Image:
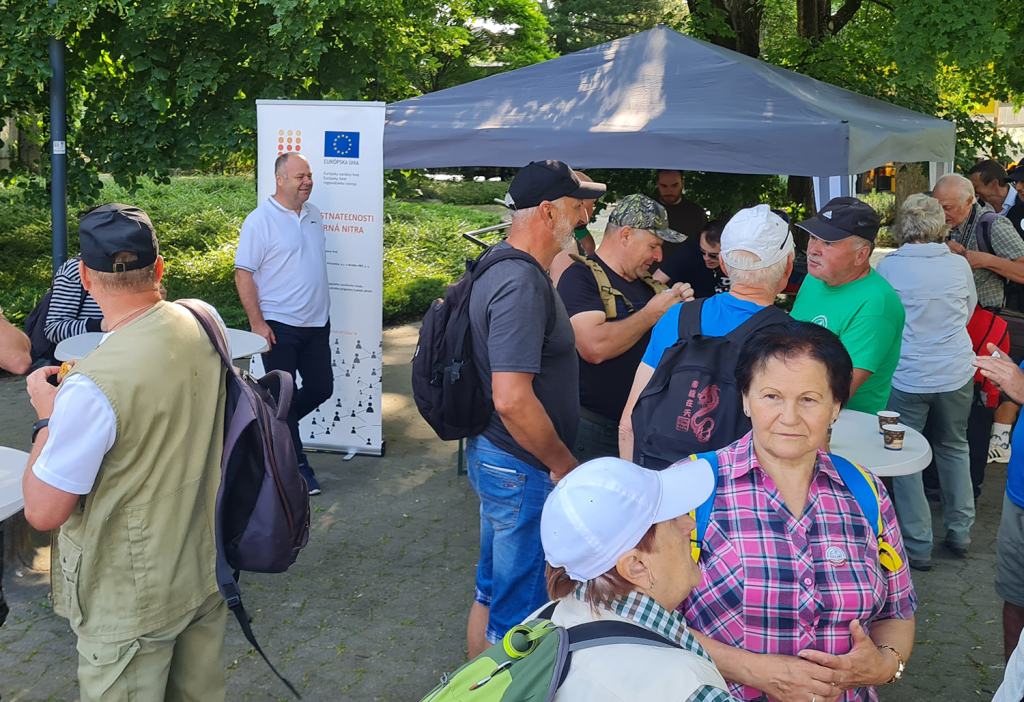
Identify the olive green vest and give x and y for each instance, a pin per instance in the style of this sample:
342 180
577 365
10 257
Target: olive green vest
139 552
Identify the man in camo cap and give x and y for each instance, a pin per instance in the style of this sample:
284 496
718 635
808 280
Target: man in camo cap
612 303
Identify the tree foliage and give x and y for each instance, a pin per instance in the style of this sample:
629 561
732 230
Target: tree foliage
158 85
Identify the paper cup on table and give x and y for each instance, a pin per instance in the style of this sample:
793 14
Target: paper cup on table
893 436
887 417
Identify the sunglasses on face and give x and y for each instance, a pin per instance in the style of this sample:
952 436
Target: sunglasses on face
708 254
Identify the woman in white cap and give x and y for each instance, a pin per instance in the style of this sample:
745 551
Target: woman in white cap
800 600
617 541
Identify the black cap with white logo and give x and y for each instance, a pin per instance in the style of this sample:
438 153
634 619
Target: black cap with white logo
842 218
112 228
548 180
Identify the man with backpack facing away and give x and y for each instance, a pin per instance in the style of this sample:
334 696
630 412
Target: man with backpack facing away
672 421
612 303
1005 262
524 351
126 461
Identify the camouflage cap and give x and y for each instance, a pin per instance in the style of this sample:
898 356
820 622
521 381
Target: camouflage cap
641 212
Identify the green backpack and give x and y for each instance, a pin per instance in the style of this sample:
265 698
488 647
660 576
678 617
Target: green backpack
532 660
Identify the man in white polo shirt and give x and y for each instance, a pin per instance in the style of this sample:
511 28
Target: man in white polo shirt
281 275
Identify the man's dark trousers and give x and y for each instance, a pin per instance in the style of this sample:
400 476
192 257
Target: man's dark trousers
308 351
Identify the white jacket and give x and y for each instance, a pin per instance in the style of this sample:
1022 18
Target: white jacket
628 672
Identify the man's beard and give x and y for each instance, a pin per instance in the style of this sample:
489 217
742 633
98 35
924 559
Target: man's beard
566 240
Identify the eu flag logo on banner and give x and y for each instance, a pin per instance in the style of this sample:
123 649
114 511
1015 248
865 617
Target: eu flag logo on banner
341 144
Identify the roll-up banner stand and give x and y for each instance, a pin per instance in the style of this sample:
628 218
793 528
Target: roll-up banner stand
344 143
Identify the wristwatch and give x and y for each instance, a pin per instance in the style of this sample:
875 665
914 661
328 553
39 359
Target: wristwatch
899 660
38 426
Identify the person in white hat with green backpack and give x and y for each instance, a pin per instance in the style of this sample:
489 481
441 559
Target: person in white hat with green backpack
616 539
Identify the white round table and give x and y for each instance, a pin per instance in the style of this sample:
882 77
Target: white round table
855 437
12 468
243 345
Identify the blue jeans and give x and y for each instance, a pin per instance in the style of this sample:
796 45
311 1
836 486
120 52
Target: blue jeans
510 575
946 413
308 351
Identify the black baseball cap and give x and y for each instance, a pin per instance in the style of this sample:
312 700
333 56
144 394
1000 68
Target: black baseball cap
842 218
548 180
112 228
1016 175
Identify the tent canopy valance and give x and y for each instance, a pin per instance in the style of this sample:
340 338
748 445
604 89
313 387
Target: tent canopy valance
660 99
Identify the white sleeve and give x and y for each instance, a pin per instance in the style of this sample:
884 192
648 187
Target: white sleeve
82 429
249 255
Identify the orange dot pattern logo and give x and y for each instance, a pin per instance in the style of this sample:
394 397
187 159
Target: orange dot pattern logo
289 140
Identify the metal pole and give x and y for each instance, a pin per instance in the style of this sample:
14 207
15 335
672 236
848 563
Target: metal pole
58 155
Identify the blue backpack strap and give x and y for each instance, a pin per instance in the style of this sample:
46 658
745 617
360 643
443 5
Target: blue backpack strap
865 492
702 515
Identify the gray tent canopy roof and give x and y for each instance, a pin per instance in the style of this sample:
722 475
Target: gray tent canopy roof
660 99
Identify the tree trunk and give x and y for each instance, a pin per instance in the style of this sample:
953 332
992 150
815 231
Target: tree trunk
911 178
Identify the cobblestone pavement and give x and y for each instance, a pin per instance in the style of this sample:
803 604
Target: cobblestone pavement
376 606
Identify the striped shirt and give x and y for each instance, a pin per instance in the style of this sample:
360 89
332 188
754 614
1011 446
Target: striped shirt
69 314
775 583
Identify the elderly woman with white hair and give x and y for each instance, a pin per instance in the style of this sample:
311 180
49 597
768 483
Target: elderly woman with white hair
617 541
934 381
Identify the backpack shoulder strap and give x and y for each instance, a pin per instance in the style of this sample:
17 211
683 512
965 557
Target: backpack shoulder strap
689 318
983 231
605 633
702 515
865 492
604 286
487 259
210 326
762 318
656 285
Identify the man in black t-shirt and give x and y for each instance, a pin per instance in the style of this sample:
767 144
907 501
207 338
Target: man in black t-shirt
610 346
698 264
685 217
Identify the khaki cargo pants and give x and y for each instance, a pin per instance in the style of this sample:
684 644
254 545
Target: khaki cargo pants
179 663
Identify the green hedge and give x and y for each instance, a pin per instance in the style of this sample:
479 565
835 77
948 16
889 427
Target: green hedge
197 220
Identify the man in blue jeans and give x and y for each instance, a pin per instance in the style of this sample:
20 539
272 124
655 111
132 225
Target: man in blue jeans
281 275
525 352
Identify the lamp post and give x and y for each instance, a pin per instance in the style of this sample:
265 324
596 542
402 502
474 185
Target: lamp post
58 153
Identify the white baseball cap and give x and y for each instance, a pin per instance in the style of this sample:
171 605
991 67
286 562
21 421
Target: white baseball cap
759 231
604 507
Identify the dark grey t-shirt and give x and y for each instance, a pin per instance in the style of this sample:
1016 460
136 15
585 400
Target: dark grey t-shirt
520 326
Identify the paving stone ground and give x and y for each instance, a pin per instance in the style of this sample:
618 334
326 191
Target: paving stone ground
376 606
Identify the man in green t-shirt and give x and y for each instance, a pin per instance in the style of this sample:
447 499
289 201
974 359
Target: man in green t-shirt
844 294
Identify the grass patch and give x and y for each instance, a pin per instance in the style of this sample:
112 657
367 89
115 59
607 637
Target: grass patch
197 219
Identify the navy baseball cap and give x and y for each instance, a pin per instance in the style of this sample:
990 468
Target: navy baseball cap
112 228
842 218
548 180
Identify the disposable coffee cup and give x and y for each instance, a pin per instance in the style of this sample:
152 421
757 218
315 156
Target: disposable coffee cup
893 436
887 417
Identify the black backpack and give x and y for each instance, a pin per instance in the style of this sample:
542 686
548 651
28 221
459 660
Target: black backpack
691 403
445 383
35 325
262 513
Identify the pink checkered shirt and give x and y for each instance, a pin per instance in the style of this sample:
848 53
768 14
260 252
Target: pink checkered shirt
774 583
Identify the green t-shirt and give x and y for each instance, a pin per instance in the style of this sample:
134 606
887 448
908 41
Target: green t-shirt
868 316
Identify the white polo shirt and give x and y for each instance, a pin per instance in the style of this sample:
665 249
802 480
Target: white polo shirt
285 253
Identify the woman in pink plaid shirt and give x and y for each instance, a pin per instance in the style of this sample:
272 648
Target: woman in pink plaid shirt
795 605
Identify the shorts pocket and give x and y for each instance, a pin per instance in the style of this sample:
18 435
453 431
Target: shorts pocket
501 492
70 566
100 665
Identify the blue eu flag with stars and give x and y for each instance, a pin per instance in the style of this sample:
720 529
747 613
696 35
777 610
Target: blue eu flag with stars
341 144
